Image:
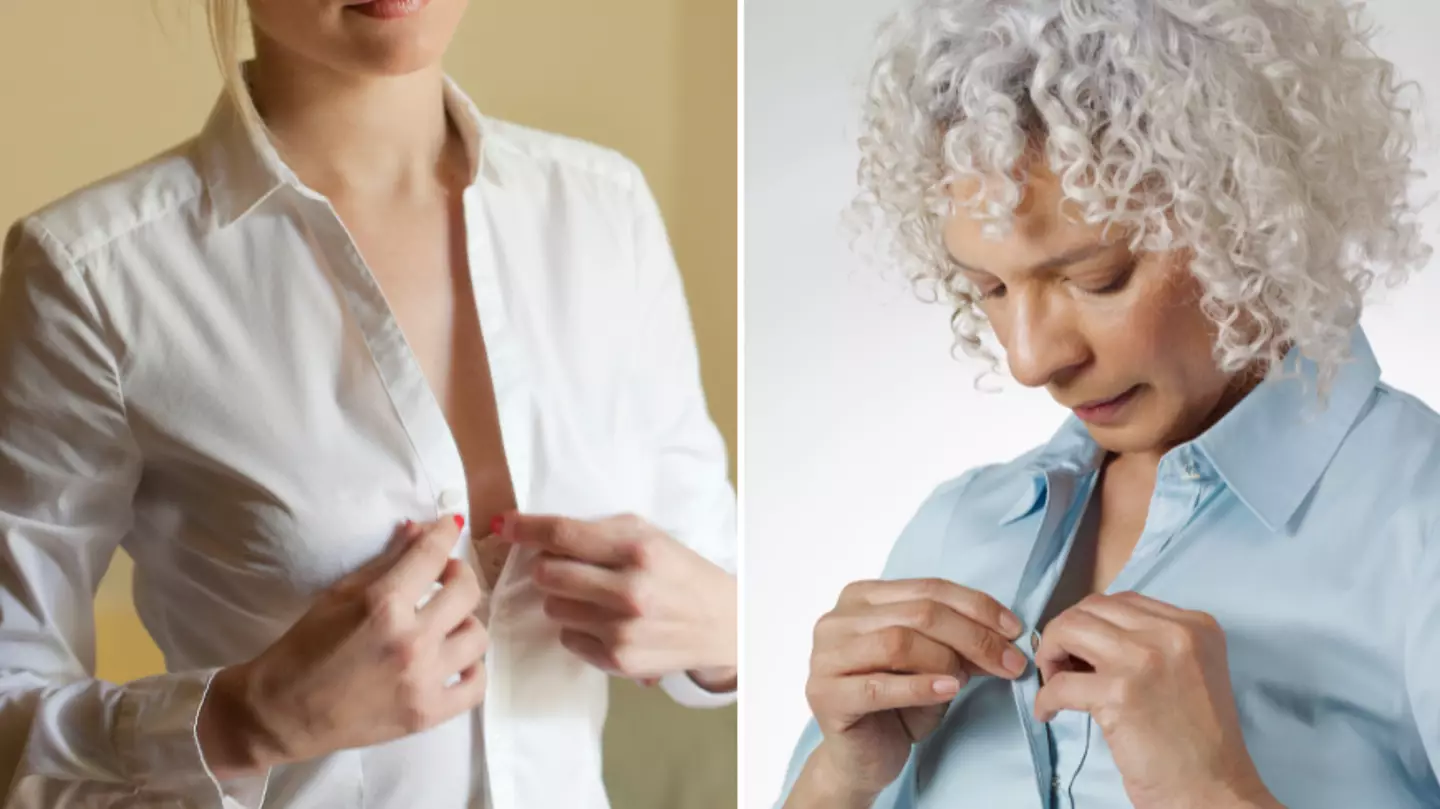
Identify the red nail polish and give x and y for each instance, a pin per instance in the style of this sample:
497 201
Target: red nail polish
459 522
497 524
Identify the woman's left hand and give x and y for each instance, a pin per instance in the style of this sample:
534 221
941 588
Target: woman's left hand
632 600
1155 678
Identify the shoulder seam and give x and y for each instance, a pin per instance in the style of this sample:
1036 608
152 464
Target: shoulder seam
623 177
1410 401
110 239
80 278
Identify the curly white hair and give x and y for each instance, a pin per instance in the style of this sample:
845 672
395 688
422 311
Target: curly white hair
1265 136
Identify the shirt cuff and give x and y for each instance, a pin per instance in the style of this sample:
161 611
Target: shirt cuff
687 692
159 749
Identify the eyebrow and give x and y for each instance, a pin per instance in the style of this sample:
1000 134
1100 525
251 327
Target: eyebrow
1065 259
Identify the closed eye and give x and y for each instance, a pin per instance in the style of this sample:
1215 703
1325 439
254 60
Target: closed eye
1117 284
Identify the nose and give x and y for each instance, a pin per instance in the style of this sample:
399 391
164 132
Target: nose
1042 343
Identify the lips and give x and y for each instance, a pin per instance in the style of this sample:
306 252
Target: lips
1098 403
1101 412
388 9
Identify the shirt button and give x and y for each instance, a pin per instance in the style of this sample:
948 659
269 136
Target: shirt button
1034 641
451 500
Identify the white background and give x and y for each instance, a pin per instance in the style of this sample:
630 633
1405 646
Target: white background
854 407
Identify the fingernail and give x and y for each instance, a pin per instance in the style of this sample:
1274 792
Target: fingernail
1011 624
459 522
946 686
497 524
1013 661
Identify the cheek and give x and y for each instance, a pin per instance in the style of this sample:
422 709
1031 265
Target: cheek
275 17
1131 336
299 26
1157 332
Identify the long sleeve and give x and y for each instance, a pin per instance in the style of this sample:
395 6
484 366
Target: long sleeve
68 473
1422 647
692 498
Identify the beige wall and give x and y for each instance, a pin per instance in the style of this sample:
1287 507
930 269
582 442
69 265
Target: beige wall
89 87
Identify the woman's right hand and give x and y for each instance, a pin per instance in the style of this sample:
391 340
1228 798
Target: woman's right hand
363 666
886 663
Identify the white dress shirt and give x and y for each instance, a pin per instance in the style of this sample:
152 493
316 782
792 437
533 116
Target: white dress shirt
197 366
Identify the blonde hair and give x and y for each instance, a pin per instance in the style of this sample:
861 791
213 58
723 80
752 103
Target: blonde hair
226 29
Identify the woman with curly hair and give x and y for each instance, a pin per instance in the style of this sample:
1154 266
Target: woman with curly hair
1219 584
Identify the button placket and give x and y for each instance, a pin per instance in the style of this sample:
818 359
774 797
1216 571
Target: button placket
1038 580
1177 499
420 414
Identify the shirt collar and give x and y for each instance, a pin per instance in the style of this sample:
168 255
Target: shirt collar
241 167
1270 449
1070 451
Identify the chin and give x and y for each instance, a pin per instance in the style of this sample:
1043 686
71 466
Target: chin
1135 435
396 53
395 48
397 61
1114 439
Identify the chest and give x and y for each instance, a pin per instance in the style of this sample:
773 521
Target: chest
299 386
1103 540
1314 642
418 255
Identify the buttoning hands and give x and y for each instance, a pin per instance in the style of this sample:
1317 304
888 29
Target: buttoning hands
363 666
886 663
1156 680
630 599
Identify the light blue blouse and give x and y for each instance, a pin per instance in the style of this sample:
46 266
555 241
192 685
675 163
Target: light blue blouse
1308 532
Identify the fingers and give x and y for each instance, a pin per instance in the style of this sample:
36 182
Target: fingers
421 562
973 604
1078 634
610 543
598 653
464 647
982 648
1071 691
458 598
850 698
1130 610
466 693
896 649
400 540
581 615
1157 630
895 627
581 581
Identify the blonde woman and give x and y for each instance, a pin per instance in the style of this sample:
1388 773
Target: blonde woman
364 381
1218 585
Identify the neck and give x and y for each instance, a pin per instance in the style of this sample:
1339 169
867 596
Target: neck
352 135
1240 386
